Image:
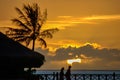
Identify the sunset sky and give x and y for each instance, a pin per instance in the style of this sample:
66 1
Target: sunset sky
88 29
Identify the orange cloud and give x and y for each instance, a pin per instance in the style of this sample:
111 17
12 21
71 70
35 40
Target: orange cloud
70 43
62 22
102 17
91 57
65 43
66 21
95 45
85 59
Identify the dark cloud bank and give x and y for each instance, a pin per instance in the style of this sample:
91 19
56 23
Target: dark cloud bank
92 58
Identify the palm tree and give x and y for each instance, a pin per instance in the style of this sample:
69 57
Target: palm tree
30 23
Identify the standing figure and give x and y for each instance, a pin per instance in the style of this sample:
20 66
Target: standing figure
62 73
68 73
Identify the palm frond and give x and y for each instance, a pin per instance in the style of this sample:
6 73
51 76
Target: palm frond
28 40
32 14
22 39
38 27
43 17
17 37
42 42
48 33
52 30
20 23
13 31
36 11
26 9
23 16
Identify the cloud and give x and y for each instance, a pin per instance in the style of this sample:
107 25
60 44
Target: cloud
62 22
103 17
67 21
66 43
92 58
70 21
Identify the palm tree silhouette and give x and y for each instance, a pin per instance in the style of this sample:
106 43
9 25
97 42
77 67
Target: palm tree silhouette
30 22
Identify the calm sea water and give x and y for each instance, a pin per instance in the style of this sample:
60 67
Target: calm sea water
80 71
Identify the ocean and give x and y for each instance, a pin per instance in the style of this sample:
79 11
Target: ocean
80 71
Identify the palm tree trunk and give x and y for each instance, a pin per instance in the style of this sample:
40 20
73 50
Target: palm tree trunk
30 69
33 45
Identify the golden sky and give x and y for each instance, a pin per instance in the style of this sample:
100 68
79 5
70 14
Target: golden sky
81 22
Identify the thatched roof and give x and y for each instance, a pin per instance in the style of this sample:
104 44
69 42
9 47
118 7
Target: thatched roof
13 53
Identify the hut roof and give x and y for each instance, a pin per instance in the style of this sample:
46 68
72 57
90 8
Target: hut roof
12 53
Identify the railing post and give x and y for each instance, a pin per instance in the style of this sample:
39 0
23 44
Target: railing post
53 75
90 76
83 76
75 76
57 76
114 76
98 76
46 77
106 77
36 77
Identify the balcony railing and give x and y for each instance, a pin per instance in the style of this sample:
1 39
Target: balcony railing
55 76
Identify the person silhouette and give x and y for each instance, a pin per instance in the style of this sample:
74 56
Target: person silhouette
62 73
68 73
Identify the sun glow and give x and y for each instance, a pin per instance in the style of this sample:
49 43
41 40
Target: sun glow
71 61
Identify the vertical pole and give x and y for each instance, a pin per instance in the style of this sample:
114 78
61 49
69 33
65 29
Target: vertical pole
106 77
57 76
114 76
83 76
98 76
75 76
53 75
90 76
46 77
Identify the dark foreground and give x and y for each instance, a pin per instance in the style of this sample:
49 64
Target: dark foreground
55 76
80 76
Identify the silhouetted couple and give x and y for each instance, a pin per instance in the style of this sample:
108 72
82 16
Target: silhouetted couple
67 74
